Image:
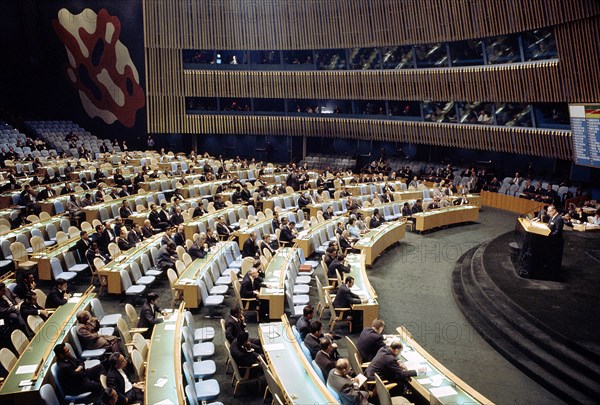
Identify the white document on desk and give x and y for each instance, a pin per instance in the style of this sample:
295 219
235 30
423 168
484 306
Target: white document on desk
160 382
170 326
274 347
73 300
28 369
412 357
443 391
165 402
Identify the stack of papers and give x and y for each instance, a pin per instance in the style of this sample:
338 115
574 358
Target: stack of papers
443 391
274 347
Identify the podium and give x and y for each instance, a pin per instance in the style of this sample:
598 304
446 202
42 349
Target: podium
539 255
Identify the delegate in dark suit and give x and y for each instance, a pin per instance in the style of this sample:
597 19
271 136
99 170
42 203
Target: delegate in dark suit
56 298
115 380
81 247
348 392
369 344
249 249
149 316
344 298
325 361
386 365
286 235
76 381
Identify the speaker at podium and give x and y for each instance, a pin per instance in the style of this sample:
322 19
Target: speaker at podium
539 250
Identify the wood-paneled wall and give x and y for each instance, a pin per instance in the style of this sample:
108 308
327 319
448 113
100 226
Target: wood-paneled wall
527 141
318 24
523 82
173 25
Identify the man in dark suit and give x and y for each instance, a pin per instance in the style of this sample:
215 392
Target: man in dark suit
125 211
179 235
313 339
327 356
346 387
303 323
30 306
385 364
244 355
58 295
73 376
287 234
371 340
151 313
376 219
223 230
199 248
250 249
250 287
556 223
235 324
344 298
116 378
147 229
46 193
102 238
155 219
337 264
83 244
26 285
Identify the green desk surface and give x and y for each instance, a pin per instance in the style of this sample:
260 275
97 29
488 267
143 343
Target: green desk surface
165 344
12 234
199 266
362 286
55 330
373 235
133 254
275 271
438 211
297 378
436 378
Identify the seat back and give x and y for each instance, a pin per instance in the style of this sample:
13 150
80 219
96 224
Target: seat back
7 359
318 370
132 315
75 339
138 364
97 308
305 351
56 267
34 322
19 340
124 331
382 393
334 393
48 395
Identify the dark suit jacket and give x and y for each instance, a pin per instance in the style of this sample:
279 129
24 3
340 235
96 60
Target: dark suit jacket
179 239
386 366
146 232
312 344
197 252
81 247
21 289
154 218
325 362
336 265
286 235
70 379
249 249
303 326
125 212
369 344
556 225
222 230
247 286
375 223
344 298
233 328
55 298
148 317
115 380
349 395
242 357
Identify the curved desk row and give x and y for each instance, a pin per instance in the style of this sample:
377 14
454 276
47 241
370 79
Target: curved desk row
439 385
445 216
298 380
164 380
34 364
377 240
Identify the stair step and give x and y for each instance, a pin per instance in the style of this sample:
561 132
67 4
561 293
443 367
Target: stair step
488 319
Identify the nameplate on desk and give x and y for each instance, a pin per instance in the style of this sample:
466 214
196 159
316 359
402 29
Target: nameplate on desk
160 382
73 300
77 295
186 281
273 290
170 326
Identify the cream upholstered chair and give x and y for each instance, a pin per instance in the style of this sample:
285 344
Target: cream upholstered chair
20 256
